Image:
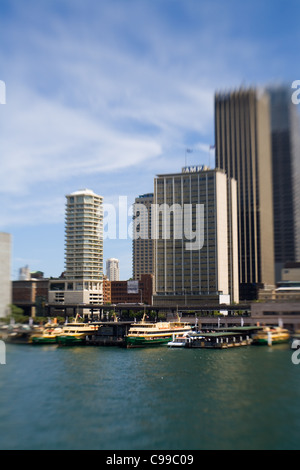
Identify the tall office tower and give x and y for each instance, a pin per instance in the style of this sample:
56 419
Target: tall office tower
83 251
195 233
285 130
243 150
5 274
112 269
142 245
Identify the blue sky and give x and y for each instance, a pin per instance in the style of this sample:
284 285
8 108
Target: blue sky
105 94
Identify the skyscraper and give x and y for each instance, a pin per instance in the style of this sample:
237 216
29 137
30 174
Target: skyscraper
243 151
285 131
142 245
84 236
83 276
195 238
112 269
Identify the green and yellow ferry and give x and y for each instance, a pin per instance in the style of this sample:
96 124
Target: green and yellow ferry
271 335
150 334
48 336
75 333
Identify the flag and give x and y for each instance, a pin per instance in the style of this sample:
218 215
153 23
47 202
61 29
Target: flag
211 147
189 150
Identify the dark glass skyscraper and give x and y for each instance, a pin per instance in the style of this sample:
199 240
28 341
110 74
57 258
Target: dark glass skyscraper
286 176
243 150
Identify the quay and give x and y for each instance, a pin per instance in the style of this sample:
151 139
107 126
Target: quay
252 313
248 314
239 319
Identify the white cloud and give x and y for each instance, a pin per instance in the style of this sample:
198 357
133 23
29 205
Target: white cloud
44 140
109 93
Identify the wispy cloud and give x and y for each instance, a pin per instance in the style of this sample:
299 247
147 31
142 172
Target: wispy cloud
106 94
100 86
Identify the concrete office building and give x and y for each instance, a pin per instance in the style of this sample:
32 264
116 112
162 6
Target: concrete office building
243 151
82 282
112 269
5 274
195 237
142 244
285 130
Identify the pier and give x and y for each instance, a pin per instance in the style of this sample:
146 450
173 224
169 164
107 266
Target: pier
109 334
221 339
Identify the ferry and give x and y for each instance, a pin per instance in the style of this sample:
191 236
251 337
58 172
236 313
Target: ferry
47 336
75 333
149 334
18 333
271 335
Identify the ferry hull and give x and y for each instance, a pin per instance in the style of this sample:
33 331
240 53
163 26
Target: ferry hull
140 341
265 341
68 340
43 340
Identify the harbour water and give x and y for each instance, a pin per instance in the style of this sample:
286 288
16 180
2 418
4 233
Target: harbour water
108 398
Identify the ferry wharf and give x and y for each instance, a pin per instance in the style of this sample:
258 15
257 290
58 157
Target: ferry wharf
109 334
221 339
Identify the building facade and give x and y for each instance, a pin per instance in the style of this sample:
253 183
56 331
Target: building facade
291 272
31 296
112 269
285 129
5 274
82 281
106 291
133 292
195 234
243 151
142 245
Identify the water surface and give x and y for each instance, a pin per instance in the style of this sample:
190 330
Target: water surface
149 399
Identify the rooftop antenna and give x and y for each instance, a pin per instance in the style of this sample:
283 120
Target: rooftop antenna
187 151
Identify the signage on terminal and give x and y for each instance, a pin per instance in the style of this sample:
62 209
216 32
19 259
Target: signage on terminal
194 169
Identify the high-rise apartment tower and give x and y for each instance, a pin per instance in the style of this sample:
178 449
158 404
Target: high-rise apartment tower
83 276
112 269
